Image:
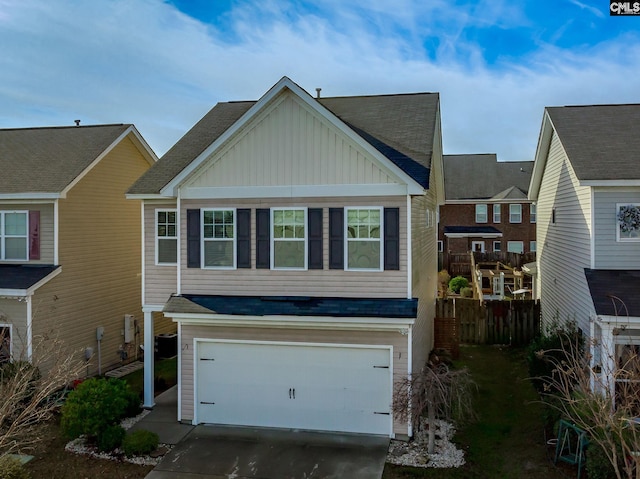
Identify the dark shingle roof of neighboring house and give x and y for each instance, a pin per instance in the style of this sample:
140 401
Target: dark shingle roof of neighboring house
471 230
293 306
601 141
481 176
402 127
47 160
23 276
614 292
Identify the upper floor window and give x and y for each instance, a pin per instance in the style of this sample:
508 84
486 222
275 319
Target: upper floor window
289 238
481 213
218 234
14 235
496 213
532 213
166 237
628 221
515 213
363 248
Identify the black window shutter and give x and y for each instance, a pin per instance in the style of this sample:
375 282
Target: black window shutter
336 238
193 238
243 245
314 220
263 238
392 238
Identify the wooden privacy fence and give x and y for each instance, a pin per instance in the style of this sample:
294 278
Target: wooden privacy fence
461 320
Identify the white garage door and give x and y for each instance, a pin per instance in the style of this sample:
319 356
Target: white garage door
317 387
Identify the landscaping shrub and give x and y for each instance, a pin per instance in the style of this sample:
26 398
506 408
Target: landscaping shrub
457 283
96 404
11 468
466 292
110 438
140 443
598 465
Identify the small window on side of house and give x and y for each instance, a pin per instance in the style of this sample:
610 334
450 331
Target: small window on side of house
166 237
497 246
515 213
440 246
532 246
481 213
628 222
532 213
497 217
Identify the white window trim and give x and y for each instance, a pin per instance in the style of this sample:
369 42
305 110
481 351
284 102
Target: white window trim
272 239
533 213
440 246
497 218
499 243
486 213
203 239
511 242
10 326
617 223
3 249
511 214
346 238
155 221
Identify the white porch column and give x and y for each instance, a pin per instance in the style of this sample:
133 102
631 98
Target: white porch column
608 358
149 357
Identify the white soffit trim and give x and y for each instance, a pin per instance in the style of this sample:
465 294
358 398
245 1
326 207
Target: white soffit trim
304 322
283 84
300 191
622 183
473 235
28 197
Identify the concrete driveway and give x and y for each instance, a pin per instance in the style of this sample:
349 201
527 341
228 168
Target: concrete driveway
216 452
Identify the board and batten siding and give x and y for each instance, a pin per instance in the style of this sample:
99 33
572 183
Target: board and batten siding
160 281
313 282
189 332
289 144
47 254
14 312
608 252
564 248
100 236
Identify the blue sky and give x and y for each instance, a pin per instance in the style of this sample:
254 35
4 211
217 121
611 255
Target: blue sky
163 64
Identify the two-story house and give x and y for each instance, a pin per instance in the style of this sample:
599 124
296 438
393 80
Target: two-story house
486 206
293 240
586 183
70 242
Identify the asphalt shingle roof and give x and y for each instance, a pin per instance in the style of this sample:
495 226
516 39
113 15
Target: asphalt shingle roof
614 292
601 141
472 230
47 160
294 306
482 176
402 127
23 276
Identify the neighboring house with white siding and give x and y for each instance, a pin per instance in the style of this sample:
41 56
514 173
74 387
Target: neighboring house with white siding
293 240
586 183
70 241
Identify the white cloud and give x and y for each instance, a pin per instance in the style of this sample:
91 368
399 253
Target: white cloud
144 62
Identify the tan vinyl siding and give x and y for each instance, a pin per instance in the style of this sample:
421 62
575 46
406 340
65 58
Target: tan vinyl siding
47 255
189 332
14 313
325 282
159 281
563 248
289 144
100 282
608 252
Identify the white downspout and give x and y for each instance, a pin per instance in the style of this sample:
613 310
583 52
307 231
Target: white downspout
29 329
56 229
148 401
410 372
409 251
179 234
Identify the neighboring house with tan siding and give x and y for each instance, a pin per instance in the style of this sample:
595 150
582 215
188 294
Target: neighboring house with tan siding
586 183
70 241
293 240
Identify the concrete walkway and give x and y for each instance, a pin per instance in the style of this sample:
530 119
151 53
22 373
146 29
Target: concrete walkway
222 452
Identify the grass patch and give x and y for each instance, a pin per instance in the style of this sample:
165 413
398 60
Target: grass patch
165 376
507 441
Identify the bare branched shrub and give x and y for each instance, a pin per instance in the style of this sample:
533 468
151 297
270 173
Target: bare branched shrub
436 392
30 391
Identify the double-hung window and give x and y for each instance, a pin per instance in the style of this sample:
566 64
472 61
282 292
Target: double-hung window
289 238
166 237
532 213
481 213
496 213
515 247
364 244
218 238
515 213
14 235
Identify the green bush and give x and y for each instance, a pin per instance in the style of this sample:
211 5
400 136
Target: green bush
598 465
95 405
466 292
457 283
140 442
110 438
11 468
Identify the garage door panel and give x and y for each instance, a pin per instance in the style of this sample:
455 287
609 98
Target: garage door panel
294 386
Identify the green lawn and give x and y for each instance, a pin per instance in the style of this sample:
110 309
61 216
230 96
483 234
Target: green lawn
165 373
507 441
